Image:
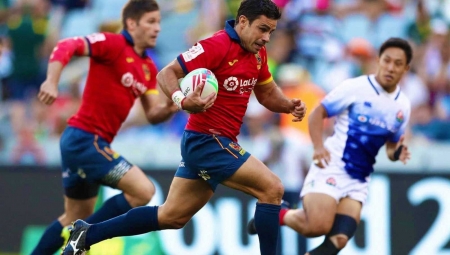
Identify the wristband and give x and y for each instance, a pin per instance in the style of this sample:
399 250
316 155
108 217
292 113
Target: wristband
178 98
397 152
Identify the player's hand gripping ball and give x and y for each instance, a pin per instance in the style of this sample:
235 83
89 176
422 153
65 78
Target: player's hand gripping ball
197 77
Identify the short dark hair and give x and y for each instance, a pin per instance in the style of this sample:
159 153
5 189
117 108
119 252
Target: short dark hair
395 42
135 9
252 9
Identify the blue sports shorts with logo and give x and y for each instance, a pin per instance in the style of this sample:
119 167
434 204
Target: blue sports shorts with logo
210 157
88 162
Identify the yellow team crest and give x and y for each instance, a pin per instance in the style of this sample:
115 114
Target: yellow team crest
237 148
146 72
258 61
114 154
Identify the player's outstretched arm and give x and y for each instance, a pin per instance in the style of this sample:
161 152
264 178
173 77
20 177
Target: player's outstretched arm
271 97
398 151
61 55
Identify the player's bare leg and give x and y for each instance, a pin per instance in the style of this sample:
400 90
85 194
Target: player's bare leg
137 191
344 227
186 197
316 218
254 178
76 209
53 239
348 207
136 186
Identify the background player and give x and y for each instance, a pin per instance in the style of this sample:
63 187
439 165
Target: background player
370 111
120 71
210 152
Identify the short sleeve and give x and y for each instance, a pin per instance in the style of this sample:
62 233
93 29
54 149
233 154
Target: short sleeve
264 74
104 46
207 53
339 99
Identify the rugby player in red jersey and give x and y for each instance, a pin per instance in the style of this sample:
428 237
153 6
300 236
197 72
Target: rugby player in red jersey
119 72
210 152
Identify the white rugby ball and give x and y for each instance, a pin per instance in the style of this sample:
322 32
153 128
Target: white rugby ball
197 77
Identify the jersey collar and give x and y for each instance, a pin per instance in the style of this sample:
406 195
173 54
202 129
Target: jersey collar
229 28
130 41
378 89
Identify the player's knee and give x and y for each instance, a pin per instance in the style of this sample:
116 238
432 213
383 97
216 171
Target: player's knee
340 241
273 192
177 223
344 227
143 196
147 194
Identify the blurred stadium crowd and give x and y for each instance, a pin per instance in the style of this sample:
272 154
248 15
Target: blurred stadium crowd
318 44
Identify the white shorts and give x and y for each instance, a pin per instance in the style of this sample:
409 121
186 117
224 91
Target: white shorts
335 182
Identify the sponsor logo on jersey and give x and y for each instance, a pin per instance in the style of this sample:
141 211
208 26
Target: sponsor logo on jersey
96 37
181 164
128 81
382 124
130 60
245 86
368 104
231 63
231 83
331 181
193 52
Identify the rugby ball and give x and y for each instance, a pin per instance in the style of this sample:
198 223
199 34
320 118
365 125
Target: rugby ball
197 77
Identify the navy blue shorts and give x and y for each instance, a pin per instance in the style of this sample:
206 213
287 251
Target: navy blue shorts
211 157
88 162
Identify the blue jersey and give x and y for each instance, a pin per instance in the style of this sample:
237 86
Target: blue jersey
366 118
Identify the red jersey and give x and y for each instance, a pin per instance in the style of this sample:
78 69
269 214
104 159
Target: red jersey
117 76
237 72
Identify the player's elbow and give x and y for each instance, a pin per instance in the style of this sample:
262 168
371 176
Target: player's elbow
160 113
153 119
390 150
